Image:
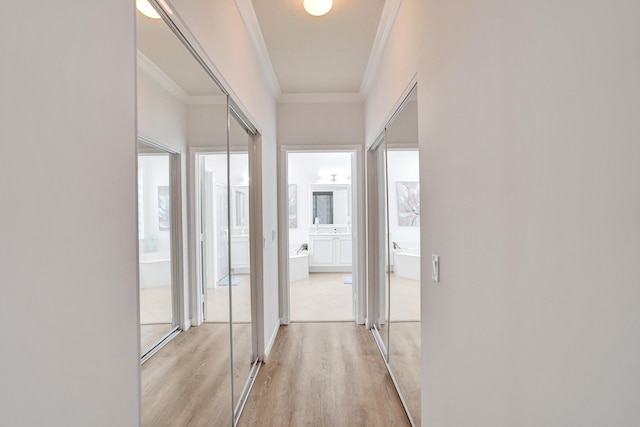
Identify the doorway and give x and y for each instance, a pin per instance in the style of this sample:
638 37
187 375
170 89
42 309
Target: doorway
321 235
158 193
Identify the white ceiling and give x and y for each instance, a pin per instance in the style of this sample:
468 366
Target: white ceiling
327 54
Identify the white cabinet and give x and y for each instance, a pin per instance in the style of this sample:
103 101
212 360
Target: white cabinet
330 253
240 254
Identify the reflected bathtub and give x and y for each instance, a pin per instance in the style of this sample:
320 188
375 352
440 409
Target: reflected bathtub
298 266
155 269
406 263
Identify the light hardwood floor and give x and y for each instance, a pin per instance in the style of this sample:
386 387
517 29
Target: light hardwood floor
404 359
319 374
324 374
188 382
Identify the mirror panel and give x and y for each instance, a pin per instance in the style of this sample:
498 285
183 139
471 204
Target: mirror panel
241 274
403 186
330 204
181 106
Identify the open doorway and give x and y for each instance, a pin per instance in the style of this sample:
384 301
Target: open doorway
321 199
157 231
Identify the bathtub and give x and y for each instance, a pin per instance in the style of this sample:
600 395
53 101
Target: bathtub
406 263
155 269
298 266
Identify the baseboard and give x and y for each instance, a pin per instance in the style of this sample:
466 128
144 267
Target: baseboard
333 269
186 325
269 346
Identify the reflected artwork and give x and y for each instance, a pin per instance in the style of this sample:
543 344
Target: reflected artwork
163 208
293 206
408 194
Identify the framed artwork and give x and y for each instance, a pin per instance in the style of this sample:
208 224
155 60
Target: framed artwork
293 206
408 195
164 208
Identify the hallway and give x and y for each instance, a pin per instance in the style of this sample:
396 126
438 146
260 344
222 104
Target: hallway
318 374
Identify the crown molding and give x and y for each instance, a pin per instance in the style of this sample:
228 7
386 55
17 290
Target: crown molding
161 77
302 98
248 15
389 14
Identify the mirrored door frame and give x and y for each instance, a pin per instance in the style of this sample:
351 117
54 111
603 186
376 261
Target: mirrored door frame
176 248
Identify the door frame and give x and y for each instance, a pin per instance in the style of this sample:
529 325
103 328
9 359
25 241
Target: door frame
180 322
358 226
256 248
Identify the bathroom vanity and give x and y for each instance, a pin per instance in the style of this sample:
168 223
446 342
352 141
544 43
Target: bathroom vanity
330 252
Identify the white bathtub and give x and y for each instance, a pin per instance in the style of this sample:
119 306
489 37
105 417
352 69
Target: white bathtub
155 269
406 263
298 266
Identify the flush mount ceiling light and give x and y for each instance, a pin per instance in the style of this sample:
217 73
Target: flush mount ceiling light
318 7
146 9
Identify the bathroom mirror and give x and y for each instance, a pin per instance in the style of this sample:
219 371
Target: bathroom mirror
330 204
240 207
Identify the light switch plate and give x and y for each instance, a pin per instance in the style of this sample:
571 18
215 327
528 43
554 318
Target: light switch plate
435 268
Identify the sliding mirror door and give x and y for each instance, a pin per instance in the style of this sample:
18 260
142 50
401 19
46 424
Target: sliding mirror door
240 266
180 106
403 189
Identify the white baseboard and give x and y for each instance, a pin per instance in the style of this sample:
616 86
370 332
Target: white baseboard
186 325
269 346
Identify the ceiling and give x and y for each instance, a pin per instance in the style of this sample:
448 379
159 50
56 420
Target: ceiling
169 61
327 54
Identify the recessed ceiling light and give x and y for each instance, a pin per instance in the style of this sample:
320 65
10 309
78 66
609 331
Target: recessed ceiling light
318 7
146 9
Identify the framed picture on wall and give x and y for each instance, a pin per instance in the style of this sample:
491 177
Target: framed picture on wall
293 206
164 208
408 195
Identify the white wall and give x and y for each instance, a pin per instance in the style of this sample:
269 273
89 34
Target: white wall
397 69
321 123
531 196
162 117
220 31
70 345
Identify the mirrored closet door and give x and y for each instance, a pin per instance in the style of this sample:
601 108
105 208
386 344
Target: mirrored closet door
396 184
183 109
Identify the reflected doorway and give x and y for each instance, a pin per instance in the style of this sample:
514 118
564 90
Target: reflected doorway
156 234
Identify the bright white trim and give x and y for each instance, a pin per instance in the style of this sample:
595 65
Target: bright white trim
161 77
290 98
269 346
248 14
389 14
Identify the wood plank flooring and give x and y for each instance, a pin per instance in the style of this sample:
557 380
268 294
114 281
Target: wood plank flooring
324 374
188 382
404 359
